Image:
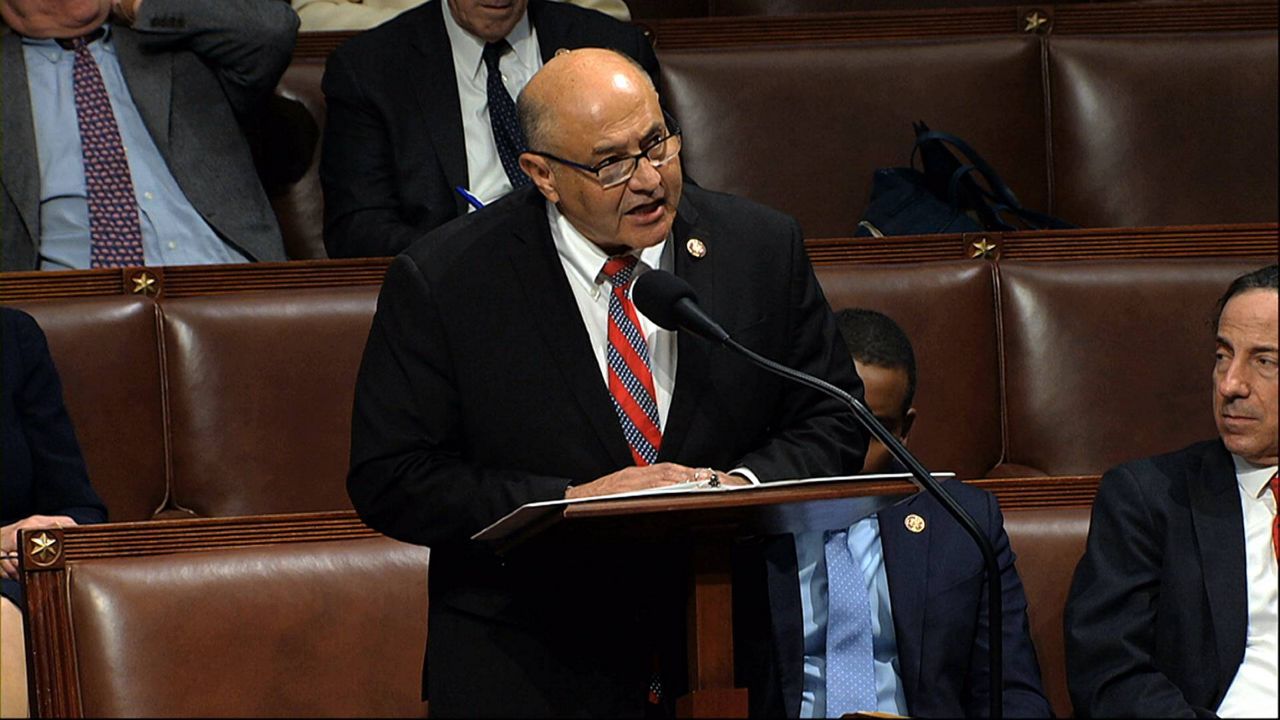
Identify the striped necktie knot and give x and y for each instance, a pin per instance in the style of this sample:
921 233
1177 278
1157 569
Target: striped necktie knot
619 271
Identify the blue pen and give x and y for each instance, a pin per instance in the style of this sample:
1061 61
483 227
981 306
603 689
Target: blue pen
472 200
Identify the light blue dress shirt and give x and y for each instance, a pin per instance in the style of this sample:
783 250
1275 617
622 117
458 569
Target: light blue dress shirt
173 233
864 544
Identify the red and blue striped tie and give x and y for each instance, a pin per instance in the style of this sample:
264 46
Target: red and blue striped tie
630 378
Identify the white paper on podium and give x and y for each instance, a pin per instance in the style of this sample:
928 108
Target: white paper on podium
534 513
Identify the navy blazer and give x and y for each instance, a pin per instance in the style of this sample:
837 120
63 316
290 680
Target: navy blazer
937 589
393 148
1158 611
43 472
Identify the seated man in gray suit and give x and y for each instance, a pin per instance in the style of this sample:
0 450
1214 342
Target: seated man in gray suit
122 131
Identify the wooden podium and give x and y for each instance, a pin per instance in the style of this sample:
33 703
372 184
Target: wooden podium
709 520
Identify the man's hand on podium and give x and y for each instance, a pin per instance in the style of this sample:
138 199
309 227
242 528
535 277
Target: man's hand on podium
650 477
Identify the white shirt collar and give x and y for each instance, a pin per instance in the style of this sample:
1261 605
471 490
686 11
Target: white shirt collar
469 49
584 259
1253 479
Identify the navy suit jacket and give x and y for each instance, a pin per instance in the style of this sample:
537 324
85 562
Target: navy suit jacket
937 589
393 147
43 472
1158 611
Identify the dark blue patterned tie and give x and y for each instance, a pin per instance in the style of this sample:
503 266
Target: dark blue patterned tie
502 116
114 233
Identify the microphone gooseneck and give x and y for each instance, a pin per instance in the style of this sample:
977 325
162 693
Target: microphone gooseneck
672 304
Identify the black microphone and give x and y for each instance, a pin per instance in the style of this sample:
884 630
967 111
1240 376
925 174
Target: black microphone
672 304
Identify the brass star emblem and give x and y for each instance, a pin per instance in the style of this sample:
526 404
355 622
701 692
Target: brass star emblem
43 547
1035 22
144 283
984 249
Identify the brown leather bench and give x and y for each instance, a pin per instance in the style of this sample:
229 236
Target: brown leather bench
1106 114
235 402
310 615
1050 368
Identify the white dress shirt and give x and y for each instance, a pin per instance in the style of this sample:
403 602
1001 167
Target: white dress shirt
487 180
583 263
1255 690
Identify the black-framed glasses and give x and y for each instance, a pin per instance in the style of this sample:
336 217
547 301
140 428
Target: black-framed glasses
618 170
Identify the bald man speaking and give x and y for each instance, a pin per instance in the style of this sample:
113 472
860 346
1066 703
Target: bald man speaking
507 365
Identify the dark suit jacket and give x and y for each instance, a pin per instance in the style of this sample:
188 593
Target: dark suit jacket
479 392
937 589
393 142
196 71
1158 611
43 472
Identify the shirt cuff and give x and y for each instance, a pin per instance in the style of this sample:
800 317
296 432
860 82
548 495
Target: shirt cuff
746 473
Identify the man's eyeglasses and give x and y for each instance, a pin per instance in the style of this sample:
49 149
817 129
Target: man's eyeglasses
618 170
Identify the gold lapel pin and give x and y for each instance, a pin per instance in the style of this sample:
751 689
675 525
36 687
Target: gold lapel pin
914 523
696 247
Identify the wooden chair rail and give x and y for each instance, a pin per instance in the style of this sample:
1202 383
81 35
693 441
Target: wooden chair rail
1247 240
1035 493
1204 241
1067 18
158 537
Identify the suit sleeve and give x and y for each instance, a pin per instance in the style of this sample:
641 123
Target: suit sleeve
248 43
60 481
1110 616
813 435
408 478
1023 689
363 215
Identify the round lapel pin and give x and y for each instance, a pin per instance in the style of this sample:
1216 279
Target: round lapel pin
914 523
696 247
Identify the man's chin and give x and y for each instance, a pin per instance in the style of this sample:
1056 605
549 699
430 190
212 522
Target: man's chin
1259 451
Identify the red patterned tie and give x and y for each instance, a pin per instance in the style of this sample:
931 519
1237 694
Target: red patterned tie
1275 519
114 234
630 379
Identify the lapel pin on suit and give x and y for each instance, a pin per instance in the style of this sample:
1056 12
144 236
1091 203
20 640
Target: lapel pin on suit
914 523
696 247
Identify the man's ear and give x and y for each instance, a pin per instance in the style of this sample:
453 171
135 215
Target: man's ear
539 171
908 419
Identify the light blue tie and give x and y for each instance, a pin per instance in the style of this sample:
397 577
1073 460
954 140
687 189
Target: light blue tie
851 675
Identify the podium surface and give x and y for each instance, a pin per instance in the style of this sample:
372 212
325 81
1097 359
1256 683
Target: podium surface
710 518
